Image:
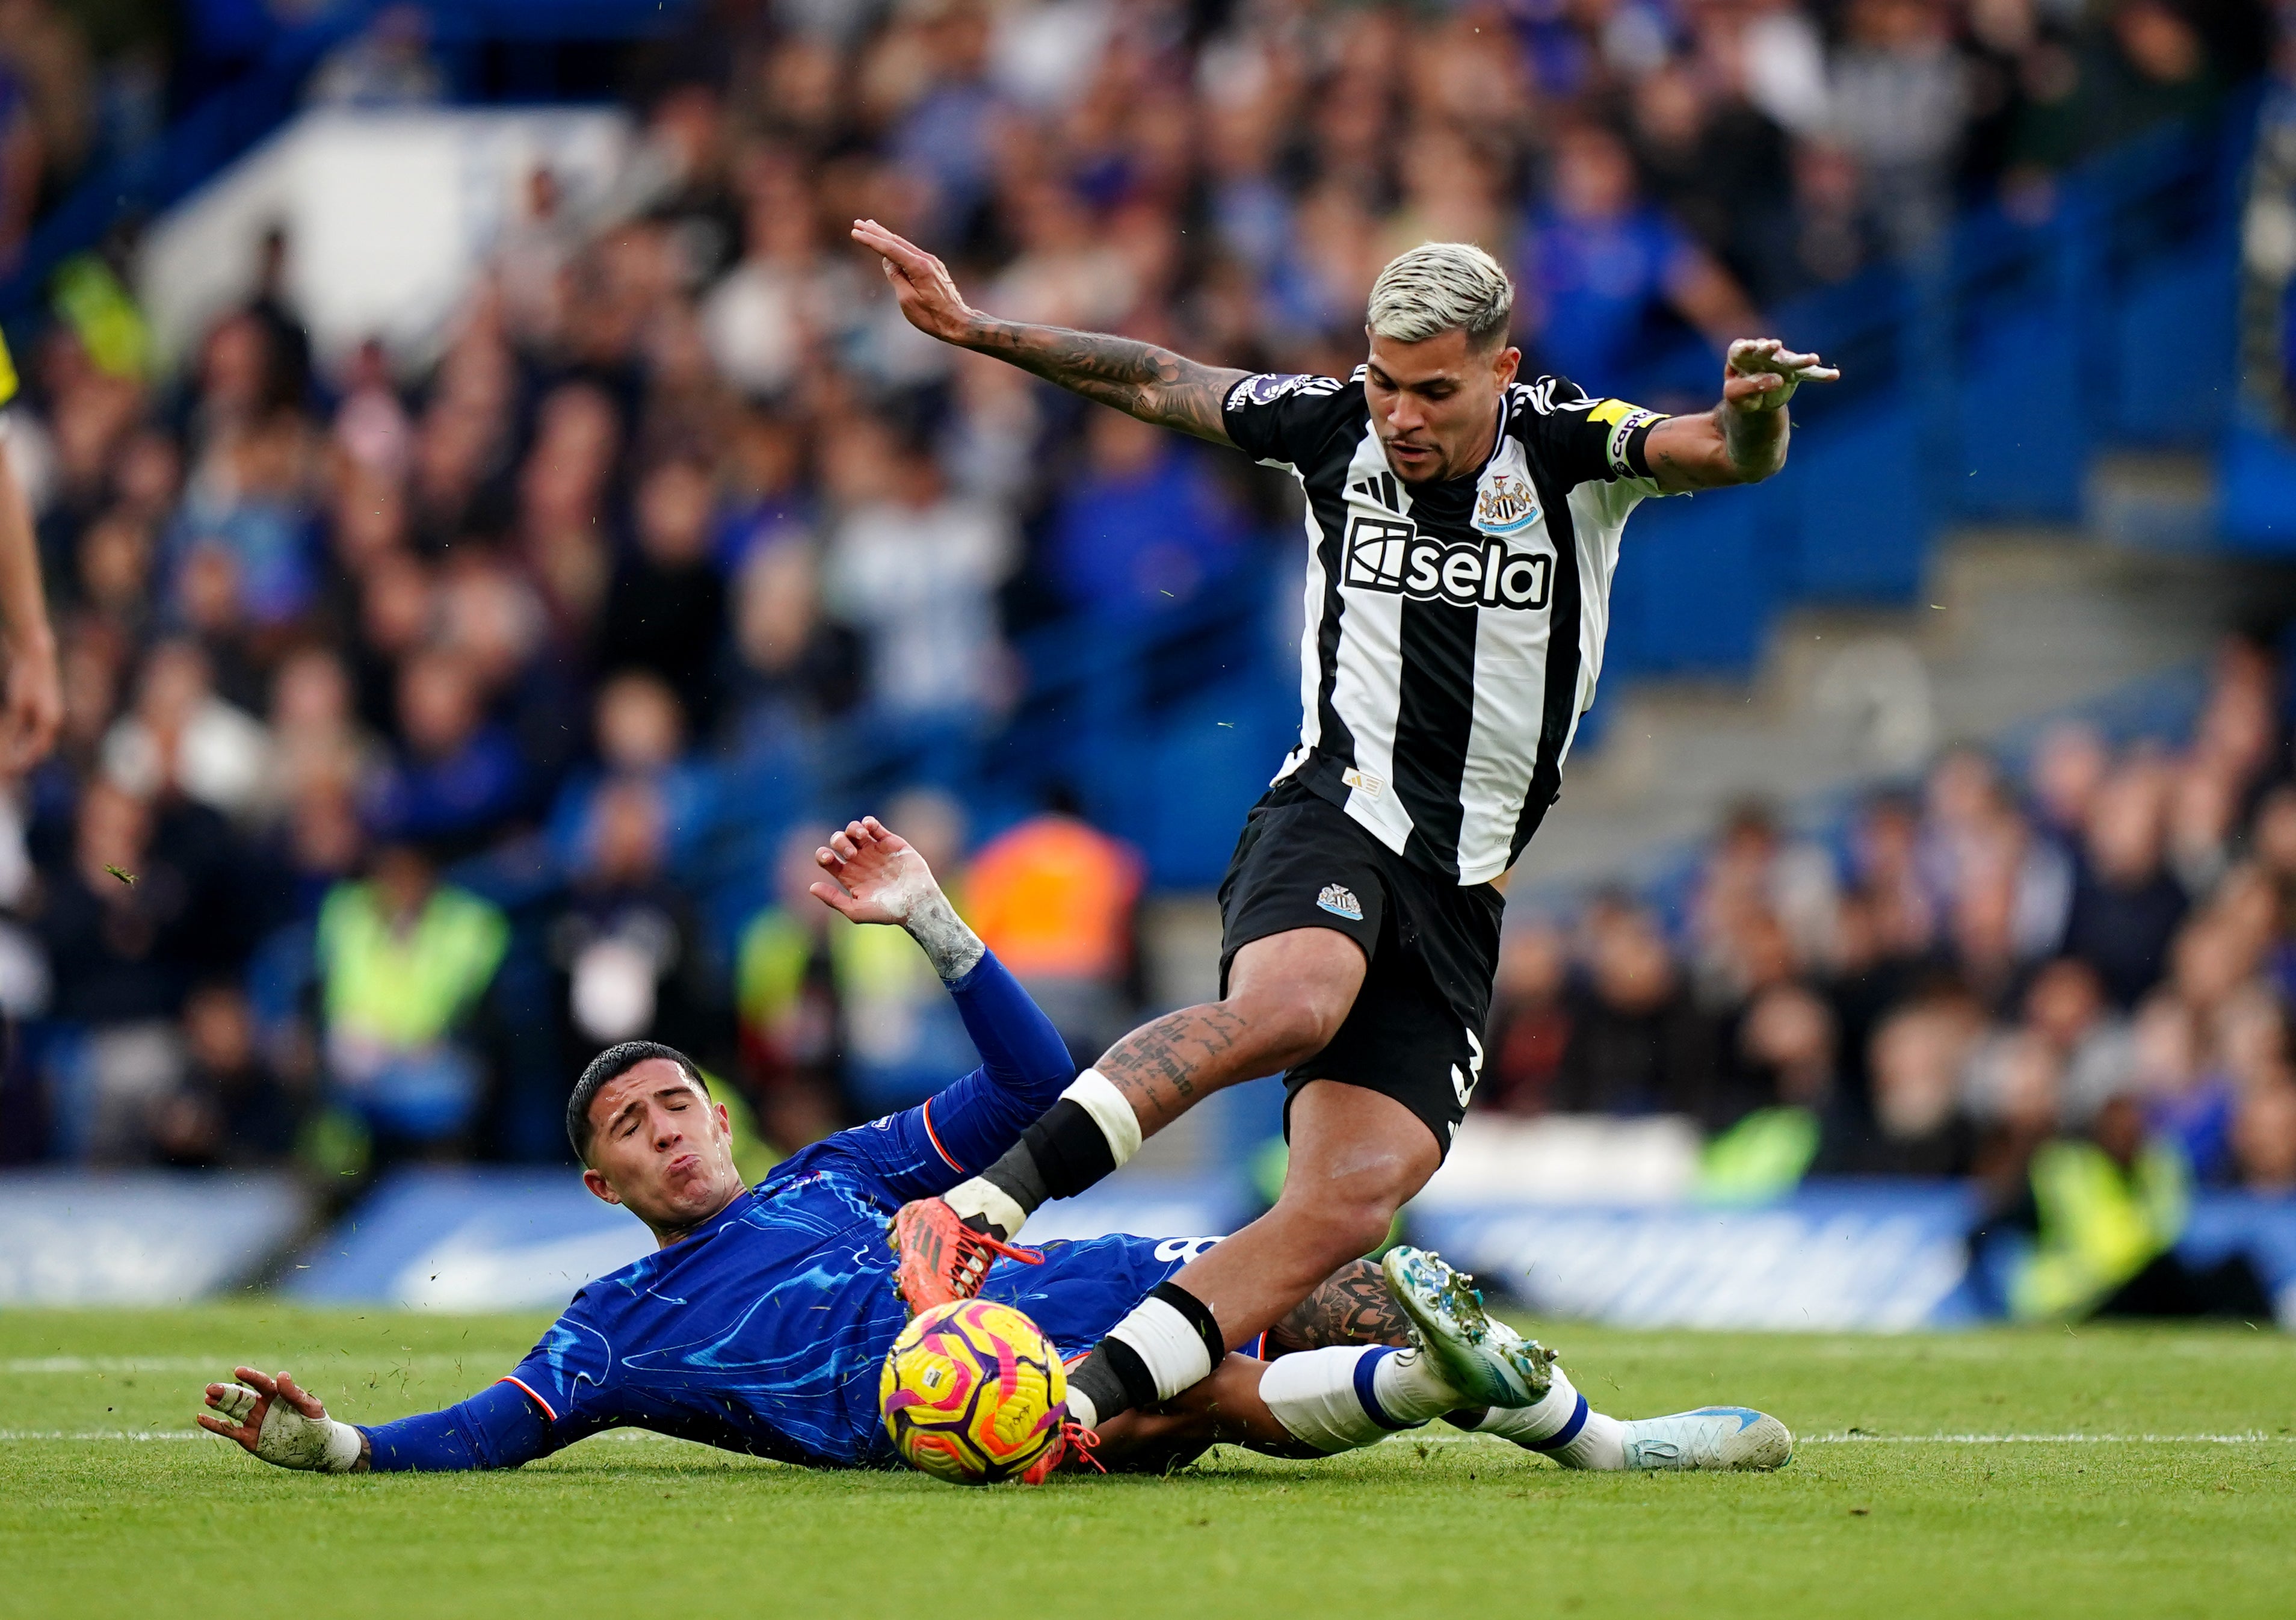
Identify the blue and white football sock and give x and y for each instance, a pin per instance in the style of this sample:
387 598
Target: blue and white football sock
1564 1426
1346 1395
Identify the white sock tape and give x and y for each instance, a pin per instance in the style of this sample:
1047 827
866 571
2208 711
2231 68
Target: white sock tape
1111 1110
982 1196
1168 1341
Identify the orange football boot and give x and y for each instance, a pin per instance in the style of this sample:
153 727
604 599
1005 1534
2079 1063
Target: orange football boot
1074 1444
942 1259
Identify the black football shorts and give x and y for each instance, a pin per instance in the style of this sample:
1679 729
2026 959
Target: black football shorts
1415 1032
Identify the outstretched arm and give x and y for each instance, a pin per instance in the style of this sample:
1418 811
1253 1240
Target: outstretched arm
1138 379
874 877
283 1424
1743 440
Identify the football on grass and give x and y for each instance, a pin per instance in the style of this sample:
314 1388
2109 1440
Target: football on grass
973 1392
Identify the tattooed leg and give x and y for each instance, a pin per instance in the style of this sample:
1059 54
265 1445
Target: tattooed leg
1352 1306
1288 994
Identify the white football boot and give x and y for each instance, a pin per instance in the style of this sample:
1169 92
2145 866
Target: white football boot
1711 1437
1487 1362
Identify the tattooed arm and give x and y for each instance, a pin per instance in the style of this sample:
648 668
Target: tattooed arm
1139 378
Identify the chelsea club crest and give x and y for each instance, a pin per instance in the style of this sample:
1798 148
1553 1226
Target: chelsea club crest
1506 505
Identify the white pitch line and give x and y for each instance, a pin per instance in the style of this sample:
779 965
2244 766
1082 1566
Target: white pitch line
25 1365
11 1435
2253 1437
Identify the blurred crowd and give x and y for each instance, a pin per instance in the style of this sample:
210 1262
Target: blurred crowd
420 706
2102 947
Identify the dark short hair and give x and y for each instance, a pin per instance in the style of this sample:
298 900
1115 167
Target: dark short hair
610 1065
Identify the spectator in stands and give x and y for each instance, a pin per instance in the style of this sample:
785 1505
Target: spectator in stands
667 612
2126 905
1638 1042
1055 898
229 1109
182 738
794 668
1599 266
628 946
403 964
457 775
1531 1025
117 919
1756 882
914 570
1920 1051
1900 99
1147 529
638 730
2264 1141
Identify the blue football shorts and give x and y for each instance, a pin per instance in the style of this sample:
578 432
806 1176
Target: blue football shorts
1085 1288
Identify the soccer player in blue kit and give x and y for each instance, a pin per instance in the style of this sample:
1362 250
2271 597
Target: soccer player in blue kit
762 1322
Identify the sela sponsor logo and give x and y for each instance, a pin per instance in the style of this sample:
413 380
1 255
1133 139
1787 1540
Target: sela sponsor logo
1506 505
1390 554
1340 903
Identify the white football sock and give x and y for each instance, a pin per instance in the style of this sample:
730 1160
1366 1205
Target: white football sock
1564 1426
1350 1395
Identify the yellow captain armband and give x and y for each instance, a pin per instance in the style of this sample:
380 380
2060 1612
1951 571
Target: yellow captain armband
1627 423
7 372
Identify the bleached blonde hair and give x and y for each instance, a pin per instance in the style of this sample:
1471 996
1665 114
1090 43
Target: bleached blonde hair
1439 287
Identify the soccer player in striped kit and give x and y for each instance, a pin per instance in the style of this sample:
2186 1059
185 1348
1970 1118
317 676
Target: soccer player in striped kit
1463 529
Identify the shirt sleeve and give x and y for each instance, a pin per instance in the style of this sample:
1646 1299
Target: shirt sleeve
499 1428
1277 419
962 1129
1584 441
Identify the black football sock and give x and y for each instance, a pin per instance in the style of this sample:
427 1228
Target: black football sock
1089 1133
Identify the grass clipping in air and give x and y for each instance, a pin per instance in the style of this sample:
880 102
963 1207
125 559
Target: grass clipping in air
1875 1517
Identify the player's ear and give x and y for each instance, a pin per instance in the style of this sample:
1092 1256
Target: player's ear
1506 364
600 1188
724 1121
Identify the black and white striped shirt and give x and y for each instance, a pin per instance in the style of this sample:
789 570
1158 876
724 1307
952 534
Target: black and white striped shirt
1453 630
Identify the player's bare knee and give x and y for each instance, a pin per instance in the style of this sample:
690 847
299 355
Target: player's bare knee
1290 1028
1328 1232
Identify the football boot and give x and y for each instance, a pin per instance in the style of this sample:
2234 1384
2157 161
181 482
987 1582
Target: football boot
942 1259
1487 1362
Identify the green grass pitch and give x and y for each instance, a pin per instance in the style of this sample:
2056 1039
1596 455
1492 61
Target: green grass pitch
107 1509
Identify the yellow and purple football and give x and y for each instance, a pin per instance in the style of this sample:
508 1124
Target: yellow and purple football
973 1392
